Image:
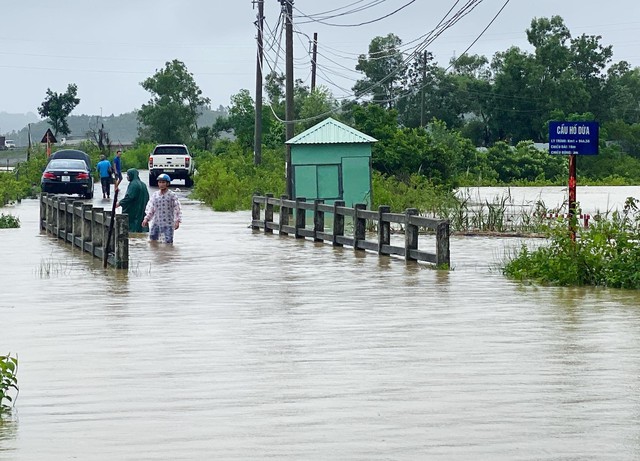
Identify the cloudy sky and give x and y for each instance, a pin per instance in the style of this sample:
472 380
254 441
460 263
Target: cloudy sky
108 48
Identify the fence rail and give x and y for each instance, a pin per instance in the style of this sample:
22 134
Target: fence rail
262 217
86 227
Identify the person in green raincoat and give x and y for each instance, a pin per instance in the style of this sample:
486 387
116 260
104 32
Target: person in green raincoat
135 201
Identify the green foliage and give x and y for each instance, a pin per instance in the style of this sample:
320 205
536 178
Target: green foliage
228 180
8 221
24 181
171 114
605 254
415 192
435 152
8 382
137 157
610 162
242 117
11 189
524 163
57 108
315 107
625 135
384 68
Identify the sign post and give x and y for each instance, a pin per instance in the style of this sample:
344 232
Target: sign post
573 139
48 139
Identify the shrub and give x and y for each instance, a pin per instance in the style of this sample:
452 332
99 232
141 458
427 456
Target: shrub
8 381
605 254
227 181
8 221
415 192
137 157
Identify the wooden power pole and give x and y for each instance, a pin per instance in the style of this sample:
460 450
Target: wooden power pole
289 115
314 56
424 78
257 149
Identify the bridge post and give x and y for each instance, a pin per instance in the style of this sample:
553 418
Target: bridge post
384 229
359 225
86 225
338 222
52 215
96 230
77 222
301 217
442 244
68 218
60 221
318 220
121 249
410 234
268 214
255 212
284 215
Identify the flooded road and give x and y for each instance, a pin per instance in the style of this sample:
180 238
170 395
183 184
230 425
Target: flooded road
234 345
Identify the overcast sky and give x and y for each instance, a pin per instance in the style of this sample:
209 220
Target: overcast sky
108 48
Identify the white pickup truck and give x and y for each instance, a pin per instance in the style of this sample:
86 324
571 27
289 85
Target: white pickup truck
172 159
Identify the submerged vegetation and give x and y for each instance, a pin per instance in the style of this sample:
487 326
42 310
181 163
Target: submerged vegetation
8 221
607 253
8 382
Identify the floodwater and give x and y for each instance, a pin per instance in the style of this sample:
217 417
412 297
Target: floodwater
591 199
236 345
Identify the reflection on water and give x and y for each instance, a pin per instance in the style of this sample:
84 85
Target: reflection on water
232 344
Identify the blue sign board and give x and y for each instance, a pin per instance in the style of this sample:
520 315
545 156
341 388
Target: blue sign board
573 138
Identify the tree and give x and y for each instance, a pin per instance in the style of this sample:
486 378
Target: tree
561 74
437 90
318 104
242 118
101 137
57 108
204 137
384 69
171 114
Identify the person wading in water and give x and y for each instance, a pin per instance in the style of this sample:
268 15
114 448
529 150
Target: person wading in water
135 201
164 211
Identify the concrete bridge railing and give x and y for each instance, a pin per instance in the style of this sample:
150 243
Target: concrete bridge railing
262 217
86 227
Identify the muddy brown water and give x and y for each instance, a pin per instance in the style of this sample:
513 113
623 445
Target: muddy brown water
236 345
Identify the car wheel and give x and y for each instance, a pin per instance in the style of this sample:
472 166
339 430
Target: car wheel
89 195
188 181
153 181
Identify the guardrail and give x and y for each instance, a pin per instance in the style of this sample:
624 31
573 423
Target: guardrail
85 227
383 219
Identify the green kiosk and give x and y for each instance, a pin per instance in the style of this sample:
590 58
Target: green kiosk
332 161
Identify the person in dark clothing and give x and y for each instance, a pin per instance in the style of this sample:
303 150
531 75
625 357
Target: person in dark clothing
135 201
117 168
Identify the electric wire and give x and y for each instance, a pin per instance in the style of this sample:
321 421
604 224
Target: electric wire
360 23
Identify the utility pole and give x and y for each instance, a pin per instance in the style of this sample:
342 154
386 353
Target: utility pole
424 78
257 149
29 145
289 115
314 56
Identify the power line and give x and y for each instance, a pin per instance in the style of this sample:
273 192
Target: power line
364 22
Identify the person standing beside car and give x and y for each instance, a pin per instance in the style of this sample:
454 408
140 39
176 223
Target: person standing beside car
117 168
104 170
164 211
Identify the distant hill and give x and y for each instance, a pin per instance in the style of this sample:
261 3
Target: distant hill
122 129
13 122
